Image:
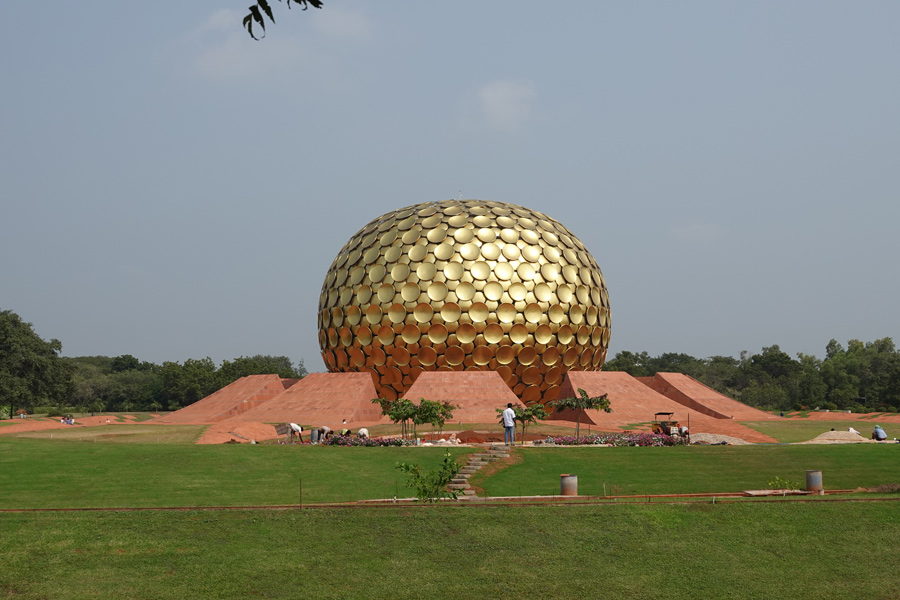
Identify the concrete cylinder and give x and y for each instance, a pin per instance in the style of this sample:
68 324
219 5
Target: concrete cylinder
814 482
568 485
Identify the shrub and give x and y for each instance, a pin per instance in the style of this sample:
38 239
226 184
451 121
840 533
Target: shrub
379 442
619 440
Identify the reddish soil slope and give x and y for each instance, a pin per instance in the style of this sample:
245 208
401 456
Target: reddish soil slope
689 392
476 394
234 399
321 399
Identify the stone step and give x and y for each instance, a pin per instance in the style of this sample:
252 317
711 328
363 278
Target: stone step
469 492
458 486
460 480
499 455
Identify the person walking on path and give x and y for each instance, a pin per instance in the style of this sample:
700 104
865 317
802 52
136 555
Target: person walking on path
509 425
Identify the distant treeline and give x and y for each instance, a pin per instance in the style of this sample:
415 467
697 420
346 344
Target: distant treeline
34 376
864 377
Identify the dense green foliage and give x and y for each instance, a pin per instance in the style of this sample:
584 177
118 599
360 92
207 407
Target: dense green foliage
31 370
864 377
581 403
33 375
796 551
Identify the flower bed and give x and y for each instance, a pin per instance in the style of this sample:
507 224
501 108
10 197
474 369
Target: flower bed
618 439
352 440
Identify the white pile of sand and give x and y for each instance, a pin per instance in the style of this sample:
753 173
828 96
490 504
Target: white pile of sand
715 438
838 437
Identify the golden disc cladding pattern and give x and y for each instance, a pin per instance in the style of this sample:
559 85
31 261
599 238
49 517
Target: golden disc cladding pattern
464 285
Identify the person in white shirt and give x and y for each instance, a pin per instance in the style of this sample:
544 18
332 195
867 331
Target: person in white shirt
296 430
363 433
509 425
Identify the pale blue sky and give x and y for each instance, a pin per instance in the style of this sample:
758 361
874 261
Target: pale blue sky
172 189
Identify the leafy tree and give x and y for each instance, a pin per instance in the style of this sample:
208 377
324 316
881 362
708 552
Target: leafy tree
262 9
31 370
581 403
184 384
432 486
260 365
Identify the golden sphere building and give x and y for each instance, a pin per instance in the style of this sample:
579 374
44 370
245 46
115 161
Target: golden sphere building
463 285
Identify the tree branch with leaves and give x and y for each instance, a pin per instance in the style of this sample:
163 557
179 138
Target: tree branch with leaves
581 403
262 10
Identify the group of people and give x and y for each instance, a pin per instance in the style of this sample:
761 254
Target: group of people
67 420
325 432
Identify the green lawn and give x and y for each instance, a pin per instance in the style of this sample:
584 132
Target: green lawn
795 551
692 469
41 473
800 430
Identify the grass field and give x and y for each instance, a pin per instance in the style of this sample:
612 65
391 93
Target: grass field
791 550
692 469
54 473
797 430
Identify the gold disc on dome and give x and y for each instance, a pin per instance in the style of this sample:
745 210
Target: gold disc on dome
592 315
506 313
542 292
564 293
364 336
533 313
531 253
576 315
417 253
531 376
543 334
396 313
548 235
373 314
530 236
346 336
453 271
411 236
506 221
583 294
463 236
490 251
353 315
570 357
423 313
437 290
400 356
511 252
549 272
385 293
482 221
427 356
410 292
437 333
393 253
583 335
525 271
357 358
556 314
457 220
480 270
410 334
478 312
465 291
486 235
482 355
337 317
596 298
493 291
407 223
450 312
518 333
436 236
553 376
346 295
506 354
469 251
493 333
454 355
444 251
518 291
425 271
550 356
431 221
376 273
399 272
503 271
466 333
596 336
332 337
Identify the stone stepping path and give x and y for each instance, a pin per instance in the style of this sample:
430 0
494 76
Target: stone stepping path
461 482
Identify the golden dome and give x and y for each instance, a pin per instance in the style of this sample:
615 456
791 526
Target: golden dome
461 285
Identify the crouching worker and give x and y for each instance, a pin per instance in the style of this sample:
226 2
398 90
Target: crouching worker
296 430
879 434
363 433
